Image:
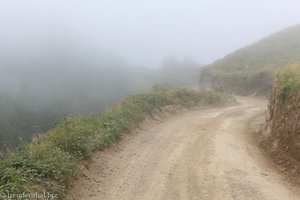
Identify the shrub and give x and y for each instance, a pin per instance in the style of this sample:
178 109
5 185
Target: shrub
288 79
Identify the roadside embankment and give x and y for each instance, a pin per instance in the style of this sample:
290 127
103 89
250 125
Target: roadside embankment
281 134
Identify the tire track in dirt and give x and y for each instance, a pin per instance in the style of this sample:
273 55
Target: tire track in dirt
204 154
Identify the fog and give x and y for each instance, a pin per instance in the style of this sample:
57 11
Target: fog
144 32
75 57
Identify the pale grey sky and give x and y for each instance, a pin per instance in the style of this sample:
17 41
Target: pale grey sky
144 32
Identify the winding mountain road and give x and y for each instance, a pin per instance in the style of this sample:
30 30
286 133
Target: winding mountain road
206 154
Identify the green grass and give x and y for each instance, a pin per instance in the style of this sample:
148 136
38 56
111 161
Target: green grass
49 163
288 79
251 69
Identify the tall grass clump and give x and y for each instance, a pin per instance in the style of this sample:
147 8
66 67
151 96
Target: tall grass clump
288 79
49 163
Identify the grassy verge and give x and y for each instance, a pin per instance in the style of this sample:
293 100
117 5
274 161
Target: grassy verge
50 163
288 79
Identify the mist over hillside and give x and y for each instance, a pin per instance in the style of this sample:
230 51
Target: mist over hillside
61 58
183 72
40 87
250 69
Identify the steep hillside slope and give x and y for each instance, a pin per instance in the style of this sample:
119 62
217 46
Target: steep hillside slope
250 69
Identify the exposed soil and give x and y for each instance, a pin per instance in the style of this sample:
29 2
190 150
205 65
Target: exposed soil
206 154
279 134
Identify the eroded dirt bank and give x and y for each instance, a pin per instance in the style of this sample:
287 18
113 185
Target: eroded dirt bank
281 135
206 154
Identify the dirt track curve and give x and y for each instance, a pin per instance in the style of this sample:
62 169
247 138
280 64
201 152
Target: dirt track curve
200 155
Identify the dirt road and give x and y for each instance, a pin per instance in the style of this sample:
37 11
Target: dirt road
203 155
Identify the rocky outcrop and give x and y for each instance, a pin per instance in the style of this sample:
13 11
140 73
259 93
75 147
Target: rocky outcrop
240 83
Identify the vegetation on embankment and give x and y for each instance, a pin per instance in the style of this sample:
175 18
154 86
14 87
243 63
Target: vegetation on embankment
288 80
49 163
251 69
282 135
